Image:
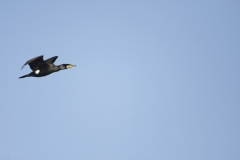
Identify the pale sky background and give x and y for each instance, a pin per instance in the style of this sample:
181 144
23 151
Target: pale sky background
155 80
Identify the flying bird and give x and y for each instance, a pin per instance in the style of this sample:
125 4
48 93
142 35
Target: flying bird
42 67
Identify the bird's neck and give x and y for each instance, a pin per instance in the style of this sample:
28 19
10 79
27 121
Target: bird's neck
61 67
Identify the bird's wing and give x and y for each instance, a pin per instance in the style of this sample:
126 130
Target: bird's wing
36 63
51 60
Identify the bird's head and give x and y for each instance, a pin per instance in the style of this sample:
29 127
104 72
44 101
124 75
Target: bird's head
67 66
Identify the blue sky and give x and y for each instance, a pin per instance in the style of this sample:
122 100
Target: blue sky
154 80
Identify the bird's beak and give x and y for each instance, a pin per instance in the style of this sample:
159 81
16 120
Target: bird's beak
70 66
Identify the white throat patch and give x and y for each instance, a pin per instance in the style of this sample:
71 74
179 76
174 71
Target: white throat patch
37 71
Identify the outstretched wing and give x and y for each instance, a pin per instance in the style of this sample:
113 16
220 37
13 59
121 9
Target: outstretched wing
36 63
51 60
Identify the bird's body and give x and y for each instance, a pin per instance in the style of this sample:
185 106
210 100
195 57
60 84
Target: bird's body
42 67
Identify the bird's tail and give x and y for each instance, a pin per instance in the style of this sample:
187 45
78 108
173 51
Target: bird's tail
27 75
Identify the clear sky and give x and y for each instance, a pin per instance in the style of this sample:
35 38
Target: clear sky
155 80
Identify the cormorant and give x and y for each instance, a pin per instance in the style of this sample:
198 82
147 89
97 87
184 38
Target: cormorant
42 67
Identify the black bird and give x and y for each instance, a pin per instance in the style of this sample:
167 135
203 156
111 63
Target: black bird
42 67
